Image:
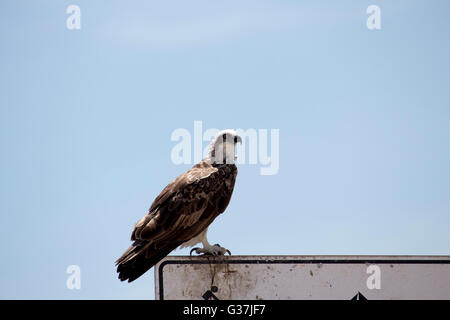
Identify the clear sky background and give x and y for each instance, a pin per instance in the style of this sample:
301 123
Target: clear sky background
86 118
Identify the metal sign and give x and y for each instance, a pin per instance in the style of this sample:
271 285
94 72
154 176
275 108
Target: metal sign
303 277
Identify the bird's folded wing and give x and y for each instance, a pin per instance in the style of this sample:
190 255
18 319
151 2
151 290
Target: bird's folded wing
179 207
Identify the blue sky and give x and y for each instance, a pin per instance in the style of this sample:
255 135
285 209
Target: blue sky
86 118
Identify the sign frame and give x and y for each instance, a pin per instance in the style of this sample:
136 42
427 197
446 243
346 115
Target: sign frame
294 260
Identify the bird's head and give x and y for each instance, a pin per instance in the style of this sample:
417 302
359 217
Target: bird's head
222 147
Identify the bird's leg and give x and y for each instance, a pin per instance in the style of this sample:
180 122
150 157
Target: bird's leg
211 250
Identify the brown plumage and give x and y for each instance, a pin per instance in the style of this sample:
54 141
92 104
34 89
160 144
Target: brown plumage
182 211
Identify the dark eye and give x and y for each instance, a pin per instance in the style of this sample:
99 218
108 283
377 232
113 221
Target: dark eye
235 139
224 136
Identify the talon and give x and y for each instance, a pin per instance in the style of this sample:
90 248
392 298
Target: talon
215 251
220 251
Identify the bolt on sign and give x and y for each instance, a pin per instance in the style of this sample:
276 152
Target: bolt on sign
303 277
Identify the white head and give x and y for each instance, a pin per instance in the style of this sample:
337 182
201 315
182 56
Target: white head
222 147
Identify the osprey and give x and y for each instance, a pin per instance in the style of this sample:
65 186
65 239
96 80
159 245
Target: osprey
181 213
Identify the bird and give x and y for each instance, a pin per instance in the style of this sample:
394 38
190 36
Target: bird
181 214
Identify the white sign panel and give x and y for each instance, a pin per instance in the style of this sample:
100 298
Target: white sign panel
303 277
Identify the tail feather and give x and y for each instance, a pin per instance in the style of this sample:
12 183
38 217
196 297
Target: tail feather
138 259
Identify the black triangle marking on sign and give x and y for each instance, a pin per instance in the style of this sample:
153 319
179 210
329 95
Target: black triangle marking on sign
359 296
209 295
